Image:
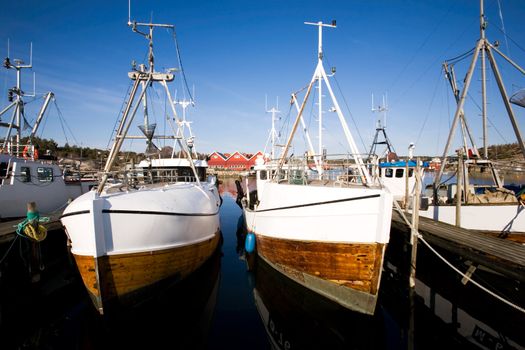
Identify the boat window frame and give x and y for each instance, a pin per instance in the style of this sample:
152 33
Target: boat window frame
400 173
25 174
389 172
44 174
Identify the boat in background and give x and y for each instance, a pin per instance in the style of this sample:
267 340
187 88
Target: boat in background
158 222
321 220
487 206
25 175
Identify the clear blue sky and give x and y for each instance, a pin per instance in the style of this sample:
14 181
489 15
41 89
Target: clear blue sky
237 52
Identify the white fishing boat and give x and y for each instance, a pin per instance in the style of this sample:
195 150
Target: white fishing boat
460 200
26 176
159 222
328 228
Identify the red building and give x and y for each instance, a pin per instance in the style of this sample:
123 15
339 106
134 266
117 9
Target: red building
234 161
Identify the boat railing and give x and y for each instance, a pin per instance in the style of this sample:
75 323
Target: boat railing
139 177
339 169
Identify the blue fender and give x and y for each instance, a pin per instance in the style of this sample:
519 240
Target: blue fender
249 243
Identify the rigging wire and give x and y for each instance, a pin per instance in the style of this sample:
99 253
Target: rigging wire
347 108
503 27
418 50
459 58
60 119
507 36
180 63
350 113
119 115
429 109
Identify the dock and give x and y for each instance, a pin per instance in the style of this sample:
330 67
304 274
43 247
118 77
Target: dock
503 255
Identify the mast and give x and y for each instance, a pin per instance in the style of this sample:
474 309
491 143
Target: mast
320 74
483 47
273 132
380 128
15 96
145 77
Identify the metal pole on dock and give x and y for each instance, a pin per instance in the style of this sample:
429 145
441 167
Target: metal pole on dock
415 225
459 187
413 241
406 185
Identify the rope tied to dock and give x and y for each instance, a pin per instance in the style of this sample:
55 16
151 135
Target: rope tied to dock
30 228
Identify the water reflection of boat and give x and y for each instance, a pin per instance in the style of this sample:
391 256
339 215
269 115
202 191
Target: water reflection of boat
297 318
176 316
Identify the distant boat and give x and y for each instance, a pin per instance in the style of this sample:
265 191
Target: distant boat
25 175
326 228
156 222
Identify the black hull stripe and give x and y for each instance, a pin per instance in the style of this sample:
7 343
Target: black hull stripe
142 212
320 203
74 213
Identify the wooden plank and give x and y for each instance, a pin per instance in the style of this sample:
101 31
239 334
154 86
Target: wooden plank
356 265
504 256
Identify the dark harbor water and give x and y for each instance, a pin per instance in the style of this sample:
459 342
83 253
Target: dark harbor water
238 302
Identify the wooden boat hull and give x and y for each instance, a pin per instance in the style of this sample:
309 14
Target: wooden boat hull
347 273
113 278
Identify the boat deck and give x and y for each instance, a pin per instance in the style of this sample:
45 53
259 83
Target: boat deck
505 255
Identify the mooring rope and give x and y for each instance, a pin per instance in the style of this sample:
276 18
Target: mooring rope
420 237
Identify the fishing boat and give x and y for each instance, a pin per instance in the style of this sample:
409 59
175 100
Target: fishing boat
460 200
25 175
154 222
321 220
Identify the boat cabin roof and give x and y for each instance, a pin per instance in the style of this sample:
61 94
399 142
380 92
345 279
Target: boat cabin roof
401 163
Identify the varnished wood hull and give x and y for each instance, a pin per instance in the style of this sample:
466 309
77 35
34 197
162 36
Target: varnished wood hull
113 278
347 273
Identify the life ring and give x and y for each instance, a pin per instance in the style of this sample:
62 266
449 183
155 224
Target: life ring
33 154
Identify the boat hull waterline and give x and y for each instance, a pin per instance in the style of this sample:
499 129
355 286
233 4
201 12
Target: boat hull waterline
125 241
329 239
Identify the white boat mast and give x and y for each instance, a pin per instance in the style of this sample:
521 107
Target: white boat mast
318 76
273 132
483 47
145 76
15 96
187 124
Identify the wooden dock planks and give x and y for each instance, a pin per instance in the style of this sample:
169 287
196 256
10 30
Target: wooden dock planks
502 255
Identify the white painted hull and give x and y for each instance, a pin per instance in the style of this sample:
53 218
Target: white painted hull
48 196
358 215
495 217
147 219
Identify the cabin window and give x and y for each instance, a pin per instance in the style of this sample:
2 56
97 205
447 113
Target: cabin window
44 174
263 175
410 172
3 169
25 174
389 172
399 172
